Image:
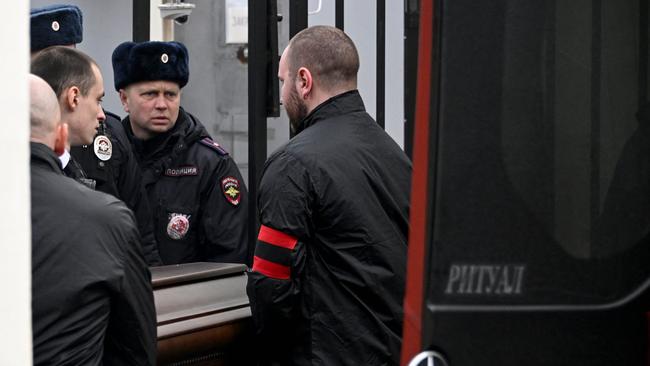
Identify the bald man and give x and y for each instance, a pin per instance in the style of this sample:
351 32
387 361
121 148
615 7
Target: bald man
92 302
45 116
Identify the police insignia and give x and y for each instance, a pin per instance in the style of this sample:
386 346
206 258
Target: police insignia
187 170
230 189
103 148
178 226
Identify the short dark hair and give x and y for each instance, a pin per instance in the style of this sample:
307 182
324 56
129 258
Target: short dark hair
63 67
327 52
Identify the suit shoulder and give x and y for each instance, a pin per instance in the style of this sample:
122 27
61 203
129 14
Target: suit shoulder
107 212
89 200
78 199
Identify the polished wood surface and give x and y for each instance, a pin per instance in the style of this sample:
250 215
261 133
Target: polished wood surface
203 314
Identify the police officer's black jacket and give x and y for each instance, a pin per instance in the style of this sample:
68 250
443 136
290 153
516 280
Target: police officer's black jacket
92 302
327 282
120 176
196 193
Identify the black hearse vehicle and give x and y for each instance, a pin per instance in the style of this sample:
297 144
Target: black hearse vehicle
530 212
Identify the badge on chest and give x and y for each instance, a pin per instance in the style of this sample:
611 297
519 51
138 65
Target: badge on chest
178 226
103 148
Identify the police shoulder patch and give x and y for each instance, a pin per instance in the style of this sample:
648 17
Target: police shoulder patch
231 190
214 146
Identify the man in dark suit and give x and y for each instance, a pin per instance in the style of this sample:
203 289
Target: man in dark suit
92 302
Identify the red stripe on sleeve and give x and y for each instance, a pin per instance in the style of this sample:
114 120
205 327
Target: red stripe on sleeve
277 238
270 269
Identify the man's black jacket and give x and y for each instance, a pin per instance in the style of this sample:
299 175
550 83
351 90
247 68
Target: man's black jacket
121 177
328 276
92 302
196 192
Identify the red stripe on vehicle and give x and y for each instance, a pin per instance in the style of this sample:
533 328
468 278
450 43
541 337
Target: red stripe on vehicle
648 349
277 238
414 291
270 269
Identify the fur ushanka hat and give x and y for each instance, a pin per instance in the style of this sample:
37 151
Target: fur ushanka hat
150 61
55 25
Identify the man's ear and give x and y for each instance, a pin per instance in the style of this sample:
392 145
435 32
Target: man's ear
124 99
61 141
304 82
71 97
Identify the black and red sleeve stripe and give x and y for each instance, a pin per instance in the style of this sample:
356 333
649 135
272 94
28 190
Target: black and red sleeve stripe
273 253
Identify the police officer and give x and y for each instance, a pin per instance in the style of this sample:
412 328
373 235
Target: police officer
92 302
193 185
327 282
106 163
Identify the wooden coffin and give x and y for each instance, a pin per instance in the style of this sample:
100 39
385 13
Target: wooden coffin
203 314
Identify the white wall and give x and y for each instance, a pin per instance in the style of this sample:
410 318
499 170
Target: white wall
15 248
360 23
395 70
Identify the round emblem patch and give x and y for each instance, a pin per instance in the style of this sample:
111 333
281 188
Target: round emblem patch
164 58
178 226
103 148
55 26
230 189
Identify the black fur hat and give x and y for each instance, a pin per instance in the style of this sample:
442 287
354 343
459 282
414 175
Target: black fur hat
55 25
148 61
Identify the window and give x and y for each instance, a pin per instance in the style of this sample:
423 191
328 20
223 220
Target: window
543 169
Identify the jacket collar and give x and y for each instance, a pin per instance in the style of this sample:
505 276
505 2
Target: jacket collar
186 131
44 156
335 106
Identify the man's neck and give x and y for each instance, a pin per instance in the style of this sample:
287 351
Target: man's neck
139 133
319 96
